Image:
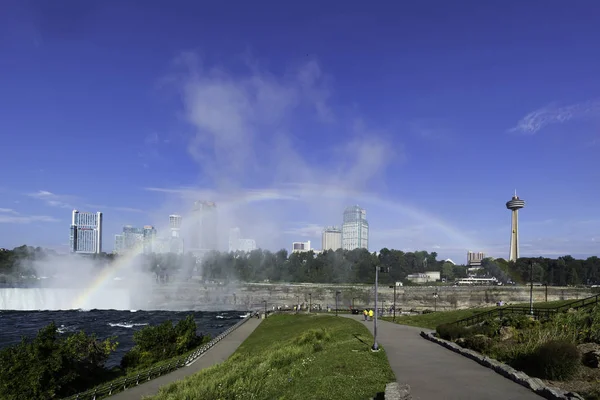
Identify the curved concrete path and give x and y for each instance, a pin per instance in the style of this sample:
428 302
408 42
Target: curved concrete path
434 372
216 354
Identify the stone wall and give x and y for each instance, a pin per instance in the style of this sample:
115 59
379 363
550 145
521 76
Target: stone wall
243 296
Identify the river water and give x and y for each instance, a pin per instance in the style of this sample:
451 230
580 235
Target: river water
107 323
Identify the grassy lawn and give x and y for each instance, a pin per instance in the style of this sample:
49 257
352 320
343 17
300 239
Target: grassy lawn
432 320
293 357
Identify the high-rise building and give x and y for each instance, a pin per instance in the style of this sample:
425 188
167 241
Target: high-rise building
355 229
475 259
175 225
133 238
300 247
204 226
176 241
86 232
149 239
514 205
332 238
119 244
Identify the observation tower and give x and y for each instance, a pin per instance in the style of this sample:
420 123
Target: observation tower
514 205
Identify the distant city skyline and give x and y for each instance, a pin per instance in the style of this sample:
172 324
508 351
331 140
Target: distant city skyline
406 111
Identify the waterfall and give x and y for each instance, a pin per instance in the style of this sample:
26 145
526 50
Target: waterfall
29 299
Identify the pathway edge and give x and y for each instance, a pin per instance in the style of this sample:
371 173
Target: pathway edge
534 384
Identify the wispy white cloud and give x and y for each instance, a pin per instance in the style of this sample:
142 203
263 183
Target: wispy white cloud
246 126
52 199
124 209
554 114
305 230
10 216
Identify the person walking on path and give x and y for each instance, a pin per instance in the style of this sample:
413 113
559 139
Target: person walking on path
371 315
365 314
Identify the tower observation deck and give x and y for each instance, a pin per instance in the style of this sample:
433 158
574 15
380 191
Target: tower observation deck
514 205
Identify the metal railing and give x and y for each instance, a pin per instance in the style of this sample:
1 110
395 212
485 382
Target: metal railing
538 313
121 384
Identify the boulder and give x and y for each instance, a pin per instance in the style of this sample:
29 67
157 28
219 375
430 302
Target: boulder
590 354
507 333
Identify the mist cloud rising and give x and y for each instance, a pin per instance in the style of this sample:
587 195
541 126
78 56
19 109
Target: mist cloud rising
262 144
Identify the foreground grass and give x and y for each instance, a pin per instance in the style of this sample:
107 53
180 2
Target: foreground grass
433 320
293 357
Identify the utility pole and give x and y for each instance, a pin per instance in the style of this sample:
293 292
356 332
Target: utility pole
394 310
531 287
264 301
375 345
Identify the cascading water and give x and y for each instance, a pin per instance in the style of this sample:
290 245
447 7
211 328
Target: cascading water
28 299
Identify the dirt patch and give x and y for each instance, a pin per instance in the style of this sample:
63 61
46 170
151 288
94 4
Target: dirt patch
586 383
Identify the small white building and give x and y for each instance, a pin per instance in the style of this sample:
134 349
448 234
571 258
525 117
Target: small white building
427 276
301 247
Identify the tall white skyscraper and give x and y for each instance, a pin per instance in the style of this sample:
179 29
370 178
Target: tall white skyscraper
176 241
203 223
332 238
175 225
86 232
355 229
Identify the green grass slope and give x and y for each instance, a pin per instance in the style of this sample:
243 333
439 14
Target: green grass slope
294 357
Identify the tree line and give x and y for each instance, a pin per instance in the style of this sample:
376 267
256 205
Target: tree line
53 365
339 266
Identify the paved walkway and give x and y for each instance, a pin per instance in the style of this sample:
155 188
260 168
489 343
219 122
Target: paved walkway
217 354
434 372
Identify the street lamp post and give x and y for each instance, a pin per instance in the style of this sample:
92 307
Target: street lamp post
264 301
375 345
336 302
310 302
531 287
435 297
394 309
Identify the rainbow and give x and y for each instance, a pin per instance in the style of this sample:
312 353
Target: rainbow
293 192
104 278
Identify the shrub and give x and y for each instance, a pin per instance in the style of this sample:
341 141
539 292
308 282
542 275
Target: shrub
518 321
51 366
555 360
160 342
451 331
488 327
479 343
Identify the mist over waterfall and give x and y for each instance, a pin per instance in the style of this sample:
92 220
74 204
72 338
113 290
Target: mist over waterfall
31 299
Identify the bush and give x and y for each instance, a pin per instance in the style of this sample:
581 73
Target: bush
451 331
161 342
489 327
479 343
518 321
556 360
51 366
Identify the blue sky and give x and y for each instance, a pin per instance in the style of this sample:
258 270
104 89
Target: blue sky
429 115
